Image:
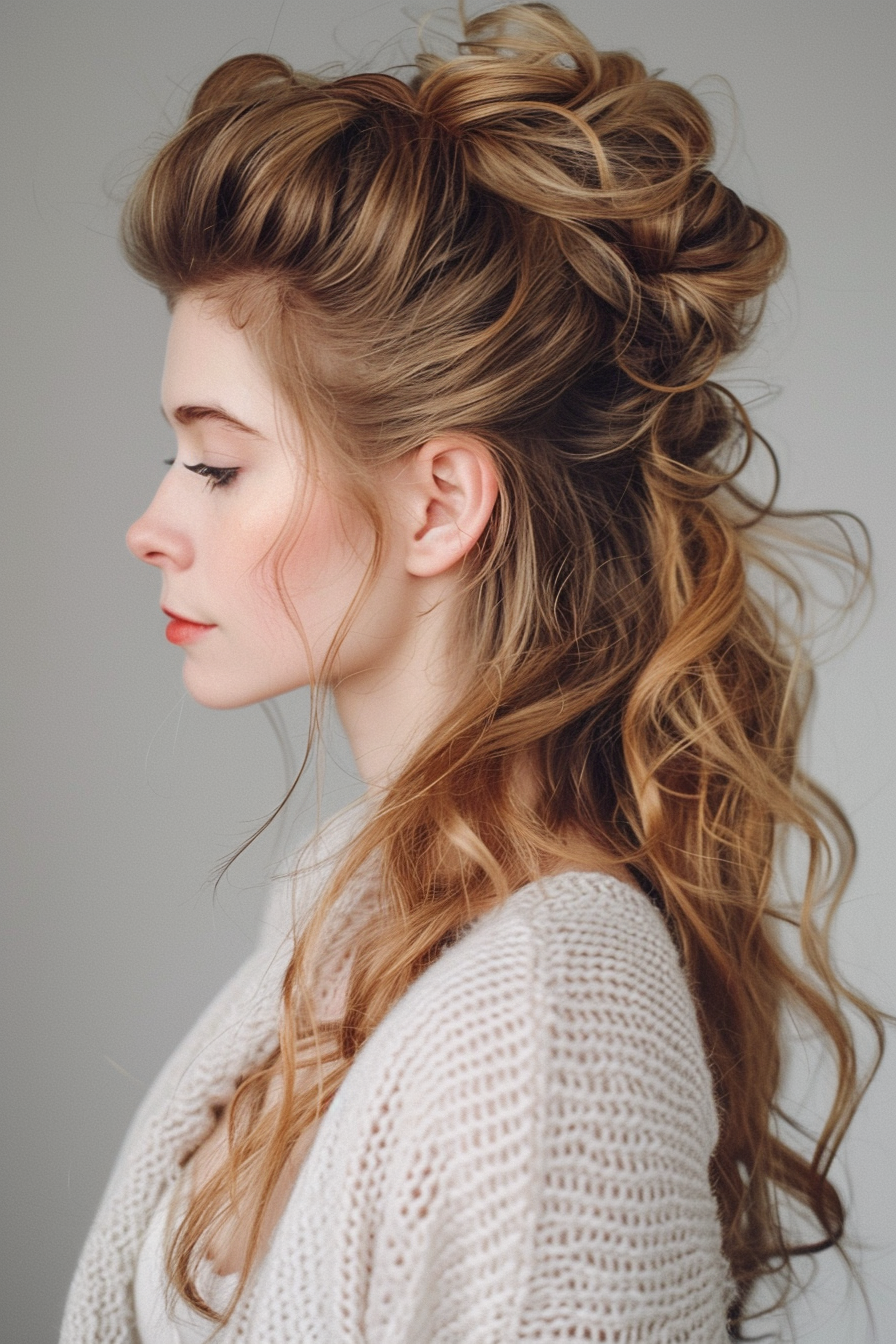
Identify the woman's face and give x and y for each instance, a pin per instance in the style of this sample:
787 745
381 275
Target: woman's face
218 513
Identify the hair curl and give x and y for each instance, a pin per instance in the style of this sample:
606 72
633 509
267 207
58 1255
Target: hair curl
526 242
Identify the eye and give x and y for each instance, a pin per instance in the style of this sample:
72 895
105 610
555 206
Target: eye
217 476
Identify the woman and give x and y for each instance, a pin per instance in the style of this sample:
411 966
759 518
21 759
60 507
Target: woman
505 1064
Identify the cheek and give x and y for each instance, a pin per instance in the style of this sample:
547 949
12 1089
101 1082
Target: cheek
321 572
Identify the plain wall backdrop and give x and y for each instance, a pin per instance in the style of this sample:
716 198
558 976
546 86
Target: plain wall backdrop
120 793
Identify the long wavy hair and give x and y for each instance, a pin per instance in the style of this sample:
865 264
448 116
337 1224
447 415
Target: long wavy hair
526 243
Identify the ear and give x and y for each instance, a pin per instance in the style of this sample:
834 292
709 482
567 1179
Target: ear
448 491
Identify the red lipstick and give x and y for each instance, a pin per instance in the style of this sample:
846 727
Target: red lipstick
181 631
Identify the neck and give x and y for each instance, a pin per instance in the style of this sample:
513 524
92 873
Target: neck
387 710
386 717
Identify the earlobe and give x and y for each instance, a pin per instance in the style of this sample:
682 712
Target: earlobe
454 486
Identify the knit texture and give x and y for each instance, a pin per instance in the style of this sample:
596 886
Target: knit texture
519 1151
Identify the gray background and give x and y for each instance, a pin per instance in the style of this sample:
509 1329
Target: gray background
121 794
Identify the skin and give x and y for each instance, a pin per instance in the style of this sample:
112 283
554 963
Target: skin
395 671
212 544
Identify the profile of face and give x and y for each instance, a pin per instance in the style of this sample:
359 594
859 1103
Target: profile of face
227 502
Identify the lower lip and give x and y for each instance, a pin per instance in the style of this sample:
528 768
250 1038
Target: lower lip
185 632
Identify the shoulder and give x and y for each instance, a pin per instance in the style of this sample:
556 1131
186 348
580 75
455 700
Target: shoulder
531 1126
566 1005
616 993
583 966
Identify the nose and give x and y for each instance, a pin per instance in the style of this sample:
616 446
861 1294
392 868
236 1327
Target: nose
159 541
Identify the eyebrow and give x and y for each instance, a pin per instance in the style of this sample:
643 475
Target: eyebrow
190 415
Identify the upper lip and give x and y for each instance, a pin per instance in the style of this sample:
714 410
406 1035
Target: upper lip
175 616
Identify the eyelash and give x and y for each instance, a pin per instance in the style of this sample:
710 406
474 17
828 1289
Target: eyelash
217 476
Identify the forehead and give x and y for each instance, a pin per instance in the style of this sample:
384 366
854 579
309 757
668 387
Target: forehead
209 362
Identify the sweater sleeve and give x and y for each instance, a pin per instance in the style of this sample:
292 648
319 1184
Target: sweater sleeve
539 1120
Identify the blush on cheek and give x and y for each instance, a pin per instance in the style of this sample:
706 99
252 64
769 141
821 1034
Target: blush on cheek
328 557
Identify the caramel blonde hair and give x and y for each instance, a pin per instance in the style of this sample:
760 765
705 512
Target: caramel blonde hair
525 242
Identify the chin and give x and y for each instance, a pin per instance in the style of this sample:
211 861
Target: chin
219 699
219 694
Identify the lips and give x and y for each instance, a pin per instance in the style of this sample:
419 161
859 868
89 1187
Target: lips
179 630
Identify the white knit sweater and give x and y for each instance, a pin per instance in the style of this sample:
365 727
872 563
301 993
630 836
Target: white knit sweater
519 1151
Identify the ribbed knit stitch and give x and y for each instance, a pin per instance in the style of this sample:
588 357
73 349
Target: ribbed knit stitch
519 1151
